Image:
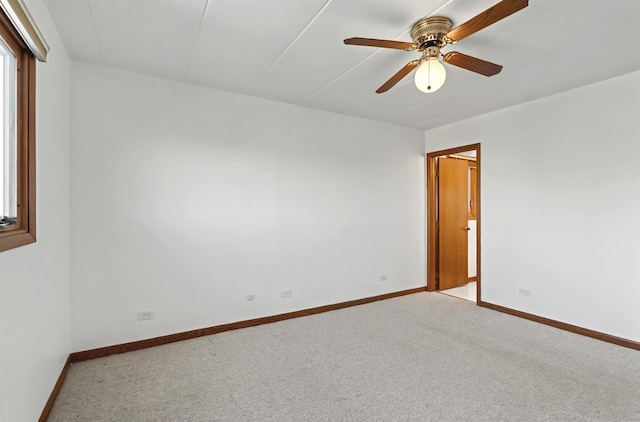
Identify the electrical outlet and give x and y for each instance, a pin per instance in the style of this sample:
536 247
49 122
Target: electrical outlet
525 292
250 297
143 315
383 277
286 293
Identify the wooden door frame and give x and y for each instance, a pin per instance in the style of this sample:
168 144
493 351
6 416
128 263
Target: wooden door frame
432 241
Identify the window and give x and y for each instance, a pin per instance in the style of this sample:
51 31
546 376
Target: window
17 143
8 180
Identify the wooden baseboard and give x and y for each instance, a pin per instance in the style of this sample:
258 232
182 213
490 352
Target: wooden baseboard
171 338
472 279
56 389
564 326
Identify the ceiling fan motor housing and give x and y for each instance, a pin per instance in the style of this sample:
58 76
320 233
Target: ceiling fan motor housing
429 34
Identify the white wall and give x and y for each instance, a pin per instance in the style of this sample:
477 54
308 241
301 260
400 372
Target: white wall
560 204
35 279
187 199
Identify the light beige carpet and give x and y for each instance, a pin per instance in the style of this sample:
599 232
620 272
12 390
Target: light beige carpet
424 357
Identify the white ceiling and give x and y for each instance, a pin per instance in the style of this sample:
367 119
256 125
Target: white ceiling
292 50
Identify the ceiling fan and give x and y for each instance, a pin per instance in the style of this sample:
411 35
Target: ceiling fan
433 33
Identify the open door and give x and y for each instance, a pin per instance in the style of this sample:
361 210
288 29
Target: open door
453 221
453 182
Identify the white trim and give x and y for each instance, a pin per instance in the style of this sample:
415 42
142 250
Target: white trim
19 15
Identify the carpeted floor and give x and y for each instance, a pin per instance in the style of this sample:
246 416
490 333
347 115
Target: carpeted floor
423 357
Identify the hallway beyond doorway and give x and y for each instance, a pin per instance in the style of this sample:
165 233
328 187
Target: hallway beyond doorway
467 292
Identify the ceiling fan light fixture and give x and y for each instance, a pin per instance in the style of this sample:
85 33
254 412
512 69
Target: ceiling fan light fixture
430 75
433 33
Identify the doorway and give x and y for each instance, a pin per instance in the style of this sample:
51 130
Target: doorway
453 222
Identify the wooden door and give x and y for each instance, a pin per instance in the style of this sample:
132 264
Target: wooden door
453 187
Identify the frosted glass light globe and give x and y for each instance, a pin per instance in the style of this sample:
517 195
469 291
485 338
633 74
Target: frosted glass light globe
430 75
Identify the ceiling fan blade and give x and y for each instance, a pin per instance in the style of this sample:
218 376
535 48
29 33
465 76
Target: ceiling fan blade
398 76
372 42
472 63
486 18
